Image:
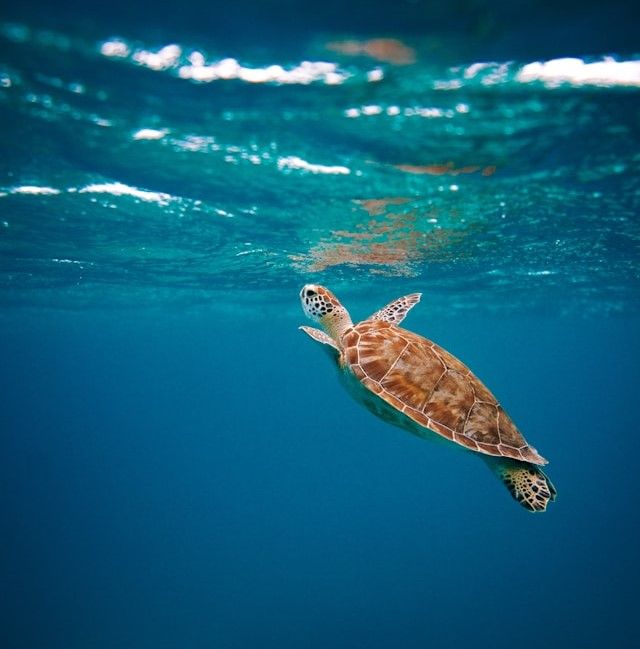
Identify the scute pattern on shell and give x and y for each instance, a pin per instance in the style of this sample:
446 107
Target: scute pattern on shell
433 388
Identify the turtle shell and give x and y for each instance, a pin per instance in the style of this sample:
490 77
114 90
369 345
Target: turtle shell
433 388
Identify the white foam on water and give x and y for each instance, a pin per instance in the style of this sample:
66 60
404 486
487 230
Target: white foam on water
554 73
116 49
305 73
163 59
375 75
194 67
576 72
150 134
34 189
294 162
120 189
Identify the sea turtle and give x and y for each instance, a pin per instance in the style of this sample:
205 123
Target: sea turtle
413 383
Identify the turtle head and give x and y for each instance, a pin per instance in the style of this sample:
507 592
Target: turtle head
322 306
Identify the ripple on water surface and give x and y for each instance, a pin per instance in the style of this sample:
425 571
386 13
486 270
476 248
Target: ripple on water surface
169 173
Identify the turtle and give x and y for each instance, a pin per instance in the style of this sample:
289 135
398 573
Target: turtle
411 382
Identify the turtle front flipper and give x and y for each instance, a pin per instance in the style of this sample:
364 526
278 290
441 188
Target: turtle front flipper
396 311
319 336
527 483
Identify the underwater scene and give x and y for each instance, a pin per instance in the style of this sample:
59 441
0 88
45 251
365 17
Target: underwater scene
181 466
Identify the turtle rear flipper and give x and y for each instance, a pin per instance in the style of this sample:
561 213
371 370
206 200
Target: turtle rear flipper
527 483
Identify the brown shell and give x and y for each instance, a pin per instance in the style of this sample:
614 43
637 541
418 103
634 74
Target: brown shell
433 388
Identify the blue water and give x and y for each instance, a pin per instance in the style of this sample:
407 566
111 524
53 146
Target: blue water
179 464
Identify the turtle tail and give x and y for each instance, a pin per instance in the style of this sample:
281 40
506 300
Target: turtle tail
527 483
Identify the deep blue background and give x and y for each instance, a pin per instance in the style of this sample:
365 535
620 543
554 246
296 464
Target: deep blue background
174 480
193 481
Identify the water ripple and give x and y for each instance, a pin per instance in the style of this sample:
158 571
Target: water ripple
490 186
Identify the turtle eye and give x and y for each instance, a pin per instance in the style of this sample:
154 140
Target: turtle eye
310 293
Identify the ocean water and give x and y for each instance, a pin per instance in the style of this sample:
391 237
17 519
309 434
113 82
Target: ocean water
179 465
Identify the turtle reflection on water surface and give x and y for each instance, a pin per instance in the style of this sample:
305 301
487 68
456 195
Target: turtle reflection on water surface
413 383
